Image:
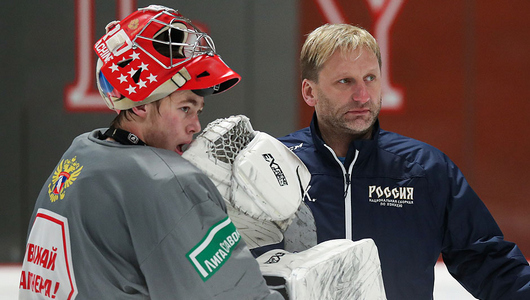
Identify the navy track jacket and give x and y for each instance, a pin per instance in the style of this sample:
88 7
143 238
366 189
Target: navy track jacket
414 202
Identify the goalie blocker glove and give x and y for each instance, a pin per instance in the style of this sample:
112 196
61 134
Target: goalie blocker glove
261 180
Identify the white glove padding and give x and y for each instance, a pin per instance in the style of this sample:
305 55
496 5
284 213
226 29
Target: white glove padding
270 175
261 180
336 269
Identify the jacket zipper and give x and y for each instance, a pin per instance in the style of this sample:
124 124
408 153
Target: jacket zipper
347 192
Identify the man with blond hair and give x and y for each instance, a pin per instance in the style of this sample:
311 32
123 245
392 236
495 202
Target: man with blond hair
409 197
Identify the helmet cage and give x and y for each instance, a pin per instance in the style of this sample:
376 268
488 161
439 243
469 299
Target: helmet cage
196 42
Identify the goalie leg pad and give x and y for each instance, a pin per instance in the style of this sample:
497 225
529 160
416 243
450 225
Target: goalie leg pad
336 269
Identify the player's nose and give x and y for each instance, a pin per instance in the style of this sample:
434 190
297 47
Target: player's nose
360 93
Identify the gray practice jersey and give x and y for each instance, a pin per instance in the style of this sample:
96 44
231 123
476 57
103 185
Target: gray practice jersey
134 222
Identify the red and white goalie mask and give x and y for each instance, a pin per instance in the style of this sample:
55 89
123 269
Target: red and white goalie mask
153 52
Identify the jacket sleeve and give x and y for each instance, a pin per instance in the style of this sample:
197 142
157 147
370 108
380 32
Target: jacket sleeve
191 250
474 248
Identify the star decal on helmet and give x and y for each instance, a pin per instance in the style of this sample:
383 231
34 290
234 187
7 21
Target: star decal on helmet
131 89
152 78
122 78
135 73
135 56
144 66
114 67
132 72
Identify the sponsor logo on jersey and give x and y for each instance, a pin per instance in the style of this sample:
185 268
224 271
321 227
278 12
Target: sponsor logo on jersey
210 254
395 197
47 269
65 174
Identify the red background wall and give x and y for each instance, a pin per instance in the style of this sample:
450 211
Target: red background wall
464 67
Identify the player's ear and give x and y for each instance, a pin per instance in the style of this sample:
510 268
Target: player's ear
140 110
309 92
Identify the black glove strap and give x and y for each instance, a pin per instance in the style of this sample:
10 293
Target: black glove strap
277 284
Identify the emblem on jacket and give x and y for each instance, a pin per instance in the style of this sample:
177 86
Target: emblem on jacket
65 174
396 197
296 147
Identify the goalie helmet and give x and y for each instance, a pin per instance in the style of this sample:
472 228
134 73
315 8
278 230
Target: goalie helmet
154 52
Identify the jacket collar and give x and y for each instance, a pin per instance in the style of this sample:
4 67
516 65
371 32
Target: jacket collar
365 147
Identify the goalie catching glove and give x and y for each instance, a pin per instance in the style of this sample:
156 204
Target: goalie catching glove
262 181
